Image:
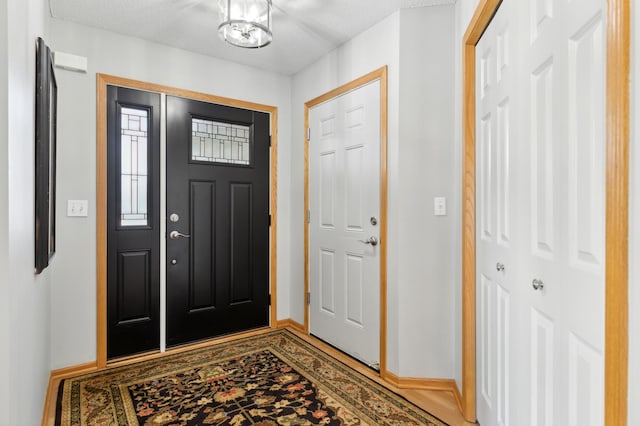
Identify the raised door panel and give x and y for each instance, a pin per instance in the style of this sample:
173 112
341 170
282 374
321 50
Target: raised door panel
327 281
542 159
354 289
202 276
134 287
586 150
241 268
586 384
542 352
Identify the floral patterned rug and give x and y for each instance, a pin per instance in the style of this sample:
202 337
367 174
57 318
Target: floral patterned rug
271 379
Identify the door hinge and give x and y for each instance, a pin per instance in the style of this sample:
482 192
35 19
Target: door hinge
308 216
308 298
269 140
308 133
269 299
269 220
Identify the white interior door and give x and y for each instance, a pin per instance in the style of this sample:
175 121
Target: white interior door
344 202
540 82
499 234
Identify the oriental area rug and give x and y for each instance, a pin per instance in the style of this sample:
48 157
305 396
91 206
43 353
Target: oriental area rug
274 378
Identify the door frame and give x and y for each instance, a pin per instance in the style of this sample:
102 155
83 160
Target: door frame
102 81
617 208
381 75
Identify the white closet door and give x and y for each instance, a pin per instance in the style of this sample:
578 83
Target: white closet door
542 340
500 237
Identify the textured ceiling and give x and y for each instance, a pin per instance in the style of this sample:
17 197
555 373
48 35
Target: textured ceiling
303 30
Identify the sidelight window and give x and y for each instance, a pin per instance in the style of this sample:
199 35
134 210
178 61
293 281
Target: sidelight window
217 142
134 160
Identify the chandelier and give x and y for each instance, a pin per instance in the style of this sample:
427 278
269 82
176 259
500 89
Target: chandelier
245 23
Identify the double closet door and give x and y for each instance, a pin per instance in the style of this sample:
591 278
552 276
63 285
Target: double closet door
202 246
540 98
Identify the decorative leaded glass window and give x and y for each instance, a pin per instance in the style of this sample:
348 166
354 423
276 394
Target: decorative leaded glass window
133 167
217 142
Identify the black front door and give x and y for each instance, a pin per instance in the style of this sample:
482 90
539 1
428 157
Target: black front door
217 220
133 221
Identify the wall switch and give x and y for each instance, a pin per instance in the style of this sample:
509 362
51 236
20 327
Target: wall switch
77 208
440 206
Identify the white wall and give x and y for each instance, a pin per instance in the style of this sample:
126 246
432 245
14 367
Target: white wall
73 320
634 223
417 45
374 48
5 324
25 318
427 252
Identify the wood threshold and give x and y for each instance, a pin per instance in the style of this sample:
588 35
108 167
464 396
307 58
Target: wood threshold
618 30
104 80
440 403
381 75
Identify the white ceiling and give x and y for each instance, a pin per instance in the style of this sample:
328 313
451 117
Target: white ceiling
303 30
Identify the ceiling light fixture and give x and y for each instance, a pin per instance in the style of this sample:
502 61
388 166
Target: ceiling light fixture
245 23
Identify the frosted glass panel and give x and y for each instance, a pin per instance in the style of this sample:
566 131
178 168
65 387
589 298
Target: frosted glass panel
133 167
217 142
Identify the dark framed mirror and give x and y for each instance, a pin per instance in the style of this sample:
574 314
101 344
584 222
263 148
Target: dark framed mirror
45 157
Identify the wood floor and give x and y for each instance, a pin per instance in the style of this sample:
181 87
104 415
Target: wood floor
441 404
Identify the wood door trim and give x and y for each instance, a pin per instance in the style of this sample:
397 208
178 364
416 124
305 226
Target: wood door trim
290 323
102 81
617 209
379 74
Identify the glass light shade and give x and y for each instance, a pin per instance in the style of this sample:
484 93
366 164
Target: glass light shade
245 23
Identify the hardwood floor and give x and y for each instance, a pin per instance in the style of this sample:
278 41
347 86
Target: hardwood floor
441 404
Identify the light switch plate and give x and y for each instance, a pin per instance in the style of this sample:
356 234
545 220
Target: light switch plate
77 208
440 206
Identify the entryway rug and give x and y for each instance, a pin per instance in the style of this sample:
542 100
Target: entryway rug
271 379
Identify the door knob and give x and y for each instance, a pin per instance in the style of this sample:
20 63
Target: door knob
537 284
499 267
372 240
174 235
